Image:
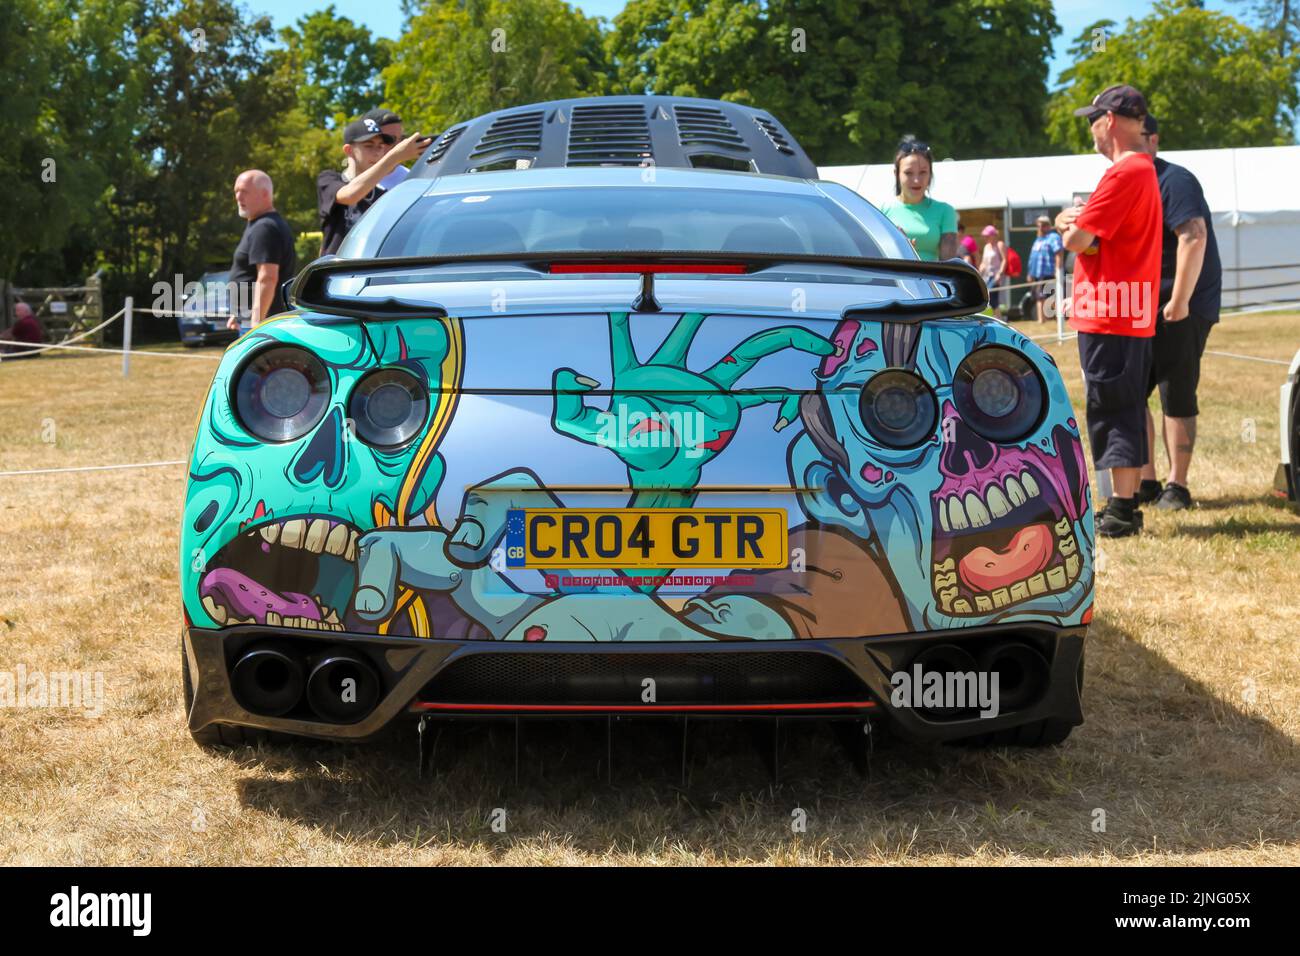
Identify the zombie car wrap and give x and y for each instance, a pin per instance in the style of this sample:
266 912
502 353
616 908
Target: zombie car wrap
605 412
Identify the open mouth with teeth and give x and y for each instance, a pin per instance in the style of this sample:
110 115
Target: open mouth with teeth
1006 535
297 572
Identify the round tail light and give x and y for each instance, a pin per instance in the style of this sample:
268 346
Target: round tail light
999 394
282 393
898 408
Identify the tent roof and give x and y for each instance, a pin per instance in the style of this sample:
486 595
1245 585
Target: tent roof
1260 179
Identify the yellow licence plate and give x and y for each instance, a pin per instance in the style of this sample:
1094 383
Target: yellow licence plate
646 538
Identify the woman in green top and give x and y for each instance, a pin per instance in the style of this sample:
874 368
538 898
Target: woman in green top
930 224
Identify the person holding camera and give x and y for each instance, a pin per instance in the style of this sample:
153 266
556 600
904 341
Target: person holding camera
344 195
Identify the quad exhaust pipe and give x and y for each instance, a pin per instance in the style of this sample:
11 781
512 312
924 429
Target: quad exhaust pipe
342 687
268 679
944 659
271 679
1022 672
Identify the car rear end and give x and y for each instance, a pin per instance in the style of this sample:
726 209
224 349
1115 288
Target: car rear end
625 452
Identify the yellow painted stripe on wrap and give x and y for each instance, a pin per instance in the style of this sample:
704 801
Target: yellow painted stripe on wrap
419 617
450 376
404 598
452 372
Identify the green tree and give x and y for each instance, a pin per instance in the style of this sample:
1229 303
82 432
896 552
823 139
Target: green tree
460 58
207 97
330 68
337 63
849 78
67 114
1210 79
1281 18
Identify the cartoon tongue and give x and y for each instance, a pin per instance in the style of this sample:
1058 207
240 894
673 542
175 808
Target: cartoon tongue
244 598
984 569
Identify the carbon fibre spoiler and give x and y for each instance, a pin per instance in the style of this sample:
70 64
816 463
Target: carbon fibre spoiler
965 291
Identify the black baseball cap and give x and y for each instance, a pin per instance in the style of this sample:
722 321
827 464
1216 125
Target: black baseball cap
1149 125
1121 99
360 130
382 116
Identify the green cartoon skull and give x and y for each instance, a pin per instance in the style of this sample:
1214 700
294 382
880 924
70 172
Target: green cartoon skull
270 528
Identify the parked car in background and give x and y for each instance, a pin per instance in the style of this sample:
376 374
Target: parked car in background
203 315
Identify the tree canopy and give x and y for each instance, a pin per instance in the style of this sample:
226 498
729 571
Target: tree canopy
850 77
458 60
1210 79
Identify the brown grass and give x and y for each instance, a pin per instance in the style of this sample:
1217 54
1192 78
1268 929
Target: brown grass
1187 767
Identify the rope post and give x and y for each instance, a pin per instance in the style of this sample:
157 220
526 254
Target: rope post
126 336
1060 304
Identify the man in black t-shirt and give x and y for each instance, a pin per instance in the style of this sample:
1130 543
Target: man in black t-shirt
344 196
1191 283
265 258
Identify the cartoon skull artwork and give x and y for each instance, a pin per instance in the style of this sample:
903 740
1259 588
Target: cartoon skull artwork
271 528
973 531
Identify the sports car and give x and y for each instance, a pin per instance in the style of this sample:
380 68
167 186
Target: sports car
613 408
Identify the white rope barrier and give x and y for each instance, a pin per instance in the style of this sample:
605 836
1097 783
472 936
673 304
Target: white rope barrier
60 471
1252 358
191 313
106 351
66 342
126 351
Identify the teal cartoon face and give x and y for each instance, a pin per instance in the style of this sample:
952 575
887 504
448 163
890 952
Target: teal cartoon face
975 530
271 524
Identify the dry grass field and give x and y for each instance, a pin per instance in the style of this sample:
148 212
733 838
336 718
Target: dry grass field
1191 746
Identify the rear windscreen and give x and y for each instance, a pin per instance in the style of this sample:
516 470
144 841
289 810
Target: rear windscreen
626 219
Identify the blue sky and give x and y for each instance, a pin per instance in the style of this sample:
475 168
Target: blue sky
385 18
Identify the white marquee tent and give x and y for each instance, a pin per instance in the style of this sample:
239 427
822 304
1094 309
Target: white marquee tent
1253 194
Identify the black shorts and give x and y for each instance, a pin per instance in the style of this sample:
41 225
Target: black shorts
1116 369
1176 363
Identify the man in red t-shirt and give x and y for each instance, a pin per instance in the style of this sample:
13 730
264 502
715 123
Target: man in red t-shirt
1116 235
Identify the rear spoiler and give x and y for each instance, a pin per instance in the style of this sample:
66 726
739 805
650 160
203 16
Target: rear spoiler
966 292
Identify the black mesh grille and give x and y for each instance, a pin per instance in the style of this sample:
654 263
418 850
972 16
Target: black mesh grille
517 136
704 126
616 679
609 135
774 134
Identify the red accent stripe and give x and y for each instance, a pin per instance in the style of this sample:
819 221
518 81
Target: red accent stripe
621 709
640 268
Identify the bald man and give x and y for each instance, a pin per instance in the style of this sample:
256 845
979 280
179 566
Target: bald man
265 257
